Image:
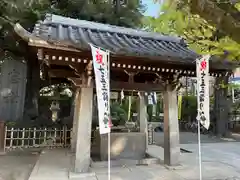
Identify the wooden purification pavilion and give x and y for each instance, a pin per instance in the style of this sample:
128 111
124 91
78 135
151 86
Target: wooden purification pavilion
140 61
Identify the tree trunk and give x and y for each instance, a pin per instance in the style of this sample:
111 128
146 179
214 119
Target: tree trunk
221 109
32 87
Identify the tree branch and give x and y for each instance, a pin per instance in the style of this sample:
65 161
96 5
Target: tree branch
217 17
229 8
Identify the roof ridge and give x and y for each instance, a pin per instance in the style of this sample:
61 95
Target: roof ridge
57 19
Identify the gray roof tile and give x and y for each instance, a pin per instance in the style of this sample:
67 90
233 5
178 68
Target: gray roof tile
118 40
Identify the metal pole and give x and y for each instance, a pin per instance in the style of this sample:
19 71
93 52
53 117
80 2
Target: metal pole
199 151
109 123
109 157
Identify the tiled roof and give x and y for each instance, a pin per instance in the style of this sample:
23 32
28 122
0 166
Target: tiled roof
119 40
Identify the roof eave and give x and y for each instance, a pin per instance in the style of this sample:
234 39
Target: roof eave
36 41
27 36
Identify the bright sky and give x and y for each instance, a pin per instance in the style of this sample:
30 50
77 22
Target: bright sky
152 8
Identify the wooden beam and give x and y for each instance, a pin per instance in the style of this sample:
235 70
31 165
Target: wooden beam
165 62
53 81
132 64
116 75
60 73
118 85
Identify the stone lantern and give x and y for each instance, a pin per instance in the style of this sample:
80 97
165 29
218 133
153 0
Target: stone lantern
55 110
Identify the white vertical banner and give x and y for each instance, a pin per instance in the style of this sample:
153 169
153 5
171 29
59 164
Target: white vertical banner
202 70
102 71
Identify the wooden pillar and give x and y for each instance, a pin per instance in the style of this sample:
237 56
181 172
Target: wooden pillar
142 117
83 125
75 118
2 136
171 127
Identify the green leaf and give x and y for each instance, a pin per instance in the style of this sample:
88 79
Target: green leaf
199 34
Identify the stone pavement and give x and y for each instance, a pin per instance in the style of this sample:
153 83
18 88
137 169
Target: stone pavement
55 165
221 161
192 138
51 165
151 172
17 165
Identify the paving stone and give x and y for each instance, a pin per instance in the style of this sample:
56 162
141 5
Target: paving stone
220 161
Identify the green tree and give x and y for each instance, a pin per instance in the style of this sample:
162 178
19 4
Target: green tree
200 35
115 12
205 38
222 14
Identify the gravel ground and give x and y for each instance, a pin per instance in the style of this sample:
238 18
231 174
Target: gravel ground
17 165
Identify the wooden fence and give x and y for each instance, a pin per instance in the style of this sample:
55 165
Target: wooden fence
22 138
19 138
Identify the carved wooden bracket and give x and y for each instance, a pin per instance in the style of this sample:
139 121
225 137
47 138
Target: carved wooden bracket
176 81
89 74
74 69
44 72
131 76
170 82
77 82
40 54
83 82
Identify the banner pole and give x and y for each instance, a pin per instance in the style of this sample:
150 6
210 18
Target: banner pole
109 121
109 157
101 60
202 72
199 151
